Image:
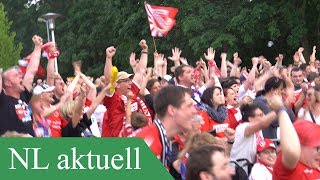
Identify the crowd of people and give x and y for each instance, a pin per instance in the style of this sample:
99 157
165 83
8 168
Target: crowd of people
201 122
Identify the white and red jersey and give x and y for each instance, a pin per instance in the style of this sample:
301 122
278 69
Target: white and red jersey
234 116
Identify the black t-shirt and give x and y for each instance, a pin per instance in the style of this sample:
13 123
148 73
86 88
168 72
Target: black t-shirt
16 114
81 130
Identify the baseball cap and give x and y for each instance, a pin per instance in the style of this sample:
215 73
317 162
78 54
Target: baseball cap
123 75
308 133
39 89
264 144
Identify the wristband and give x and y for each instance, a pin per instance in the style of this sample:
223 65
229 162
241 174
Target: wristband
211 63
54 54
230 142
144 52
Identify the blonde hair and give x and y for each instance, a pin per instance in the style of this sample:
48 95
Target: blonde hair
66 109
12 134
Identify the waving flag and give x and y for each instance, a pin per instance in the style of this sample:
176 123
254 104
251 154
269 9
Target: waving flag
161 19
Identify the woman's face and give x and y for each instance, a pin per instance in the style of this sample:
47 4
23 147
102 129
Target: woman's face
47 98
311 98
155 88
217 97
268 156
231 97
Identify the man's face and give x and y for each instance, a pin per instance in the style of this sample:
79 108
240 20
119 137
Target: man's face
187 76
59 87
258 114
297 77
124 86
14 80
310 156
221 169
183 115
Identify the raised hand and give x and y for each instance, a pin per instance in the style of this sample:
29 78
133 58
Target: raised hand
110 51
37 40
184 61
280 57
223 56
275 103
176 52
202 64
160 60
133 61
210 55
236 59
143 44
296 58
300 50
255 61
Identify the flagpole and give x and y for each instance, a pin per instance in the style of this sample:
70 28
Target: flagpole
154 44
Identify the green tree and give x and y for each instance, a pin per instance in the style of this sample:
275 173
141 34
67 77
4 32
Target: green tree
9 52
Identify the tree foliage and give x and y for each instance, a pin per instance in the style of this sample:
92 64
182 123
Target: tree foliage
87 28
9 52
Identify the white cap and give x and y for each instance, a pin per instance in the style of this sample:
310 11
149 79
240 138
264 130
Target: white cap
39 89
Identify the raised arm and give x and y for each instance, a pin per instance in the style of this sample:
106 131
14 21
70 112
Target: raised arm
263 123
224 71
301 57
110 52
32 67
98 100
73 84
50 66
145 81
236 62
77 111
133 62
290 144
92 88
252 73
142 65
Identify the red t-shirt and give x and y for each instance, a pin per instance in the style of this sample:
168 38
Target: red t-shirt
113 124
151 136
56 123
210 124
301 172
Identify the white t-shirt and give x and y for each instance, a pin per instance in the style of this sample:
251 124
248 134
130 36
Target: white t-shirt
306 116
260 172
244 147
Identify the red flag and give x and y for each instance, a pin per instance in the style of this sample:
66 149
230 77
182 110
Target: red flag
161 19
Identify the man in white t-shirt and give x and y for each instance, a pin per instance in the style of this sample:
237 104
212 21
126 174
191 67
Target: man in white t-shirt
249 132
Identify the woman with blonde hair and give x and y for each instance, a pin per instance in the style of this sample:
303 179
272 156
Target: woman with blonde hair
79 122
